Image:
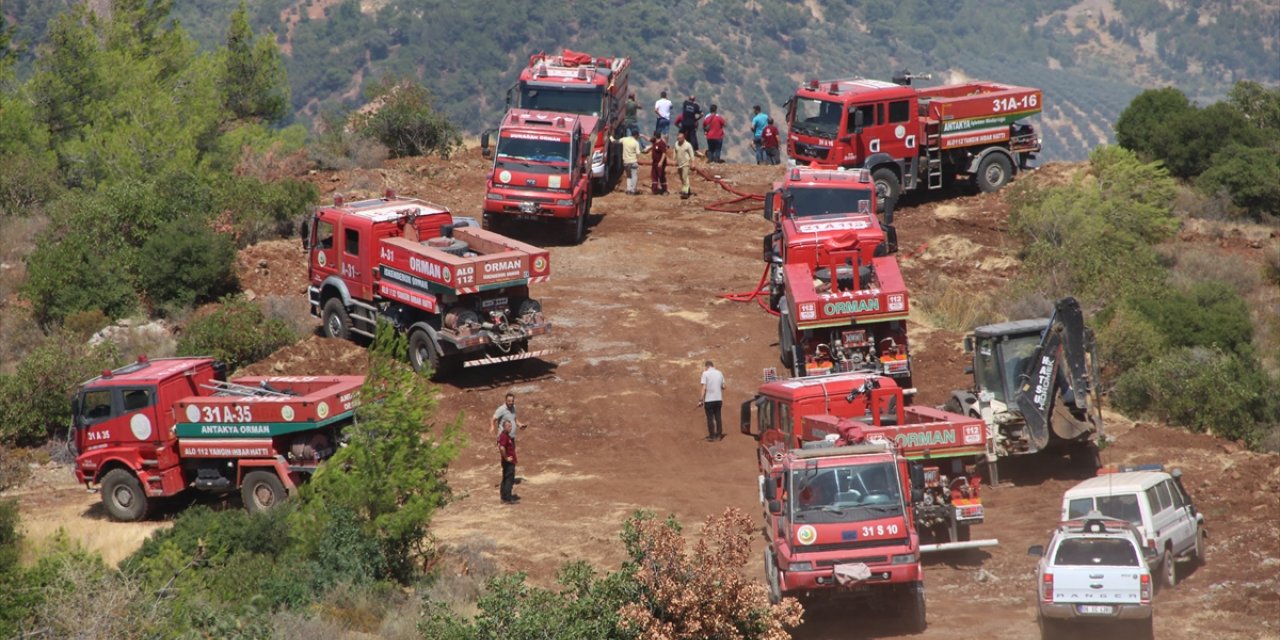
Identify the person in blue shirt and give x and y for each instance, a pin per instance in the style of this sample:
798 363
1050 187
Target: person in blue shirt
758 122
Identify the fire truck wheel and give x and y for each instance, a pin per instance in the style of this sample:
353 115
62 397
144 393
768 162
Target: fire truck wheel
772 578
962 533
261 491
422 351
491 222
913 613
888 187
994 173
336 323
123 496
580 225
785 342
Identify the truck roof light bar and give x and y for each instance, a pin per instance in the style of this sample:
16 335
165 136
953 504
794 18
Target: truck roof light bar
813 84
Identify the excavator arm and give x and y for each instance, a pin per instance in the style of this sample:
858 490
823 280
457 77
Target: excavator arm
1059 359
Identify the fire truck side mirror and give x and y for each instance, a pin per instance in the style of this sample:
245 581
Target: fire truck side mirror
916 471
770 489
775 507
1036 550
75 411
484 144
857 122
305 232
768 205
746 420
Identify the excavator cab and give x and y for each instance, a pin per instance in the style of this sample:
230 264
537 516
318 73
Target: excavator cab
1000 353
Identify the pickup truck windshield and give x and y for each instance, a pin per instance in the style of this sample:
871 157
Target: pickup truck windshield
813 202
846 494
1088 552
817 117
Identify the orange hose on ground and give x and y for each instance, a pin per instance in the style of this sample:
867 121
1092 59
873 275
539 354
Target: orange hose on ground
757 294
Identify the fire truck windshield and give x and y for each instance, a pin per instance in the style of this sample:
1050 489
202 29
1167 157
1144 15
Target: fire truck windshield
561 99
818 201
817 117
528 150
851 493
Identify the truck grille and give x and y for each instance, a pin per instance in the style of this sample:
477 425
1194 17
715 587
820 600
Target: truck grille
850 546
866 560
812 151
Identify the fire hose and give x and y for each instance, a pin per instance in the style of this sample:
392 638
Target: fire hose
744 201
759 292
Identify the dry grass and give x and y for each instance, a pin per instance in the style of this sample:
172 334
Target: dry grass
1193 265
459 577
955 308
294 311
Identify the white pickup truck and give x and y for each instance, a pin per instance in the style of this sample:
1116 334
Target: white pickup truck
1093 572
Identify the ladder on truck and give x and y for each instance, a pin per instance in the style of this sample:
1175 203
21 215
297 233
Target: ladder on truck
933 154
224 388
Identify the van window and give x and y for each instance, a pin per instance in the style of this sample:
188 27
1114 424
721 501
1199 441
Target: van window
1078 507
1165 500
1123 506
1179 500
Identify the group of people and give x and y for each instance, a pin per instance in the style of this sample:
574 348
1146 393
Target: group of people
764 135
505 425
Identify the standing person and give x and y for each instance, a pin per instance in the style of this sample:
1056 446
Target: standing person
631 160
769 139
684 165
632 112
758 122
662 108
658 168
505 414
712 398
507 450
690 114
713 125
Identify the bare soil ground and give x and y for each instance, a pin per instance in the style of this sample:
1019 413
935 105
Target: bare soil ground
614 426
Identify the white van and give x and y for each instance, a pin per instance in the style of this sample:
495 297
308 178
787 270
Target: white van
1156 503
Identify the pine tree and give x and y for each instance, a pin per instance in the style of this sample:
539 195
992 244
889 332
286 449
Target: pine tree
253 82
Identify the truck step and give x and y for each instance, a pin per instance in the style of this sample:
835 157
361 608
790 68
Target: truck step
479 362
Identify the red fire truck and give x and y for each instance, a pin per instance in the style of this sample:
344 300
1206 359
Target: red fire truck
852 480
157 428
840 295
460 293
574 82
915 138
541 169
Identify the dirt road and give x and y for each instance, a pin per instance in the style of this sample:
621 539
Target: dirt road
614 426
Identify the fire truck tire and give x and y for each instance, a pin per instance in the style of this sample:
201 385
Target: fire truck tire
262 490
772 577
888 187
580 225
994 173
962 533
491 222
423 352
785 342
1168 569
335 322
123 496
913 611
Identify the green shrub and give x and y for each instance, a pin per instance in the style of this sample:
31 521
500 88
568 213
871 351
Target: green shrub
263 210
1250 174
86 323
35 399
74 273
236 332
1206 390
186 263
1207 314
406 121
1130 340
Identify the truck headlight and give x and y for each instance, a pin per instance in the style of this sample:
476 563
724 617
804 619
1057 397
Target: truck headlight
564 203
800 566
492 196
905 558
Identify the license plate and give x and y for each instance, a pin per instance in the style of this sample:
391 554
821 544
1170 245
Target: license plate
1097 609
528 207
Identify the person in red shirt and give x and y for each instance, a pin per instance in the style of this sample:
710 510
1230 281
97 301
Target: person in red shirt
658 169
713 125
770 141
507 449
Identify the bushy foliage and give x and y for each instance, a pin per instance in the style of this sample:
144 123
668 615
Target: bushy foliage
662 593
184 263
1093 236
253 82
1204 389
1130 340
1209 314
391 473
406 121
73 273
1143 127
35 399
236 332
1250 175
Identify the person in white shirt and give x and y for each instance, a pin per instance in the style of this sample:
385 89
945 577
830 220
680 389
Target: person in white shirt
662 108
711 400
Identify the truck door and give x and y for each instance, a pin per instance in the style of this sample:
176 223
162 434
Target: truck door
118 415
324 257
355 263
899 138
861 144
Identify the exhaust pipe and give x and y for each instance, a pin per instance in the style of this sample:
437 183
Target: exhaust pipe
956 546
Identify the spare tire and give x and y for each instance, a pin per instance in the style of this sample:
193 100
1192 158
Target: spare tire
452 246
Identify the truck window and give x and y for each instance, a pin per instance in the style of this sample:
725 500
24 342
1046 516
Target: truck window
1086 552
766 416
1179 500
1078 507
96 405
351 242
324 235
135 399
784 419
868 115
1166 501
880 113
899 111
988 369
1124 507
